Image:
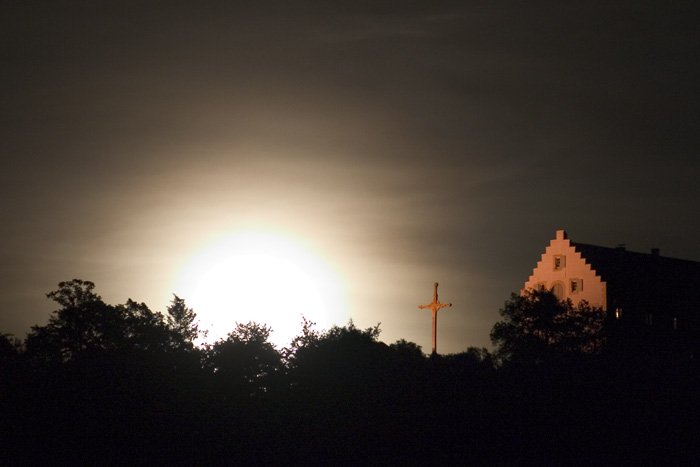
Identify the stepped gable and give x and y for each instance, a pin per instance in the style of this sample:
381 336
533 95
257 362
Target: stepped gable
563 269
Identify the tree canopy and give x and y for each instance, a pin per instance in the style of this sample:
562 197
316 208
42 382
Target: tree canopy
86 325
182 321
128 384
246 361
537 326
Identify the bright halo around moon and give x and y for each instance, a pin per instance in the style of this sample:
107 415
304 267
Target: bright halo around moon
259 277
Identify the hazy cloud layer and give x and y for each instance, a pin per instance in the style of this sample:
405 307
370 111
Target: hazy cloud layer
407 143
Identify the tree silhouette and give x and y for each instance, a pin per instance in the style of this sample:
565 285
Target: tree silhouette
246 362
308 337
9 347
181 320
344 369
344 351
74 293
409 350
125 383
537 326
10 356
87 325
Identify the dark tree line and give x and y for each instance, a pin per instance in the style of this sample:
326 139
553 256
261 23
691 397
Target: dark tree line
122 384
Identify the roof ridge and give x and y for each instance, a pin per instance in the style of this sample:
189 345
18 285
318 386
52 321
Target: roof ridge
625 251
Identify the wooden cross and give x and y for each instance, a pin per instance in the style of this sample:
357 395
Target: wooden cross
435 306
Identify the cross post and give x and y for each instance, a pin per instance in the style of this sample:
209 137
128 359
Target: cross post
435 305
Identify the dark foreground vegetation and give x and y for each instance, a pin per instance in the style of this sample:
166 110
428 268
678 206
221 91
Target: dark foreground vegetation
122 385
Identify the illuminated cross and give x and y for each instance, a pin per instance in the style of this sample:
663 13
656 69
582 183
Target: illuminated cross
435 306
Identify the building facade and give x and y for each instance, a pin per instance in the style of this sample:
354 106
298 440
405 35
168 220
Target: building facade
644 293
563 270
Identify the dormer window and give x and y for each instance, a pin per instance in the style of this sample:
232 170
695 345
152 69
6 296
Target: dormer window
559 262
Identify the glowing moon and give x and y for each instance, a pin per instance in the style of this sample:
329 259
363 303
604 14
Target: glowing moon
259 277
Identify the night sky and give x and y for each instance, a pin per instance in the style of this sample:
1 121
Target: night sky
401 142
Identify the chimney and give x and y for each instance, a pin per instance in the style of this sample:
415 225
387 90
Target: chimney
561 235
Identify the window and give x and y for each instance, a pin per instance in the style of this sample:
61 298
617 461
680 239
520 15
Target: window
675 323
558 290
576 285
618 313
559 262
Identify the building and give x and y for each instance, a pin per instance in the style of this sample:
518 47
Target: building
645 294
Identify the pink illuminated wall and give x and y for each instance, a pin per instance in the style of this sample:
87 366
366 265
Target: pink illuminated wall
562 269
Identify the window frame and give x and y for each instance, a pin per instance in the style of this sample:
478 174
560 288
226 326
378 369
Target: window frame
559 262
576 286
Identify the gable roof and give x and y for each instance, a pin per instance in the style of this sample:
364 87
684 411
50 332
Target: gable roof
611 262
648 280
